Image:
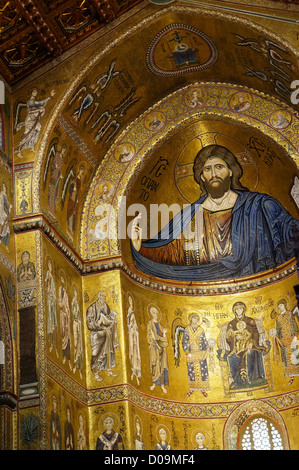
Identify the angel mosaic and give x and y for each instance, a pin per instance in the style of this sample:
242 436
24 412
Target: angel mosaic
197 348
158 343
36 109
243 346
285 338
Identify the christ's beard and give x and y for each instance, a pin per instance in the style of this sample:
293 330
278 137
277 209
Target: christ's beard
217 187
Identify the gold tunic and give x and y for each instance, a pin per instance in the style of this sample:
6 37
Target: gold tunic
211 242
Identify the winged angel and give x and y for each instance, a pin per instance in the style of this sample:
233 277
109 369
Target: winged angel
35 111
197 349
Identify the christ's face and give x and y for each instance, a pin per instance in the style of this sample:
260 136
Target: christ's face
216 176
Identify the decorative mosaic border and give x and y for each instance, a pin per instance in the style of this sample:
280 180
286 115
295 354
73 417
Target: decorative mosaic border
39 223
7 263
163 407
41 342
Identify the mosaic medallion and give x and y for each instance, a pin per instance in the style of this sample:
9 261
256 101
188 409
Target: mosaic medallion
179 49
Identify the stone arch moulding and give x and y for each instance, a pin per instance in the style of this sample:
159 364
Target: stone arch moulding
178 114
156 17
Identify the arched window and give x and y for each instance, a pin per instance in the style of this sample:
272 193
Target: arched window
260 433
255 425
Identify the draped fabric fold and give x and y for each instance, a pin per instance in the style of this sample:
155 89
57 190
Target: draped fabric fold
261 235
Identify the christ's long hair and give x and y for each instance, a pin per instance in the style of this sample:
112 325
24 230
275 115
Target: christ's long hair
218 151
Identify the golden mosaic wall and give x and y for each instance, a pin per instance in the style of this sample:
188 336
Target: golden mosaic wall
8 284
102 127
123 388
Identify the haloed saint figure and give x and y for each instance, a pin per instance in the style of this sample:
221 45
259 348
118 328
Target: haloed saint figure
238 233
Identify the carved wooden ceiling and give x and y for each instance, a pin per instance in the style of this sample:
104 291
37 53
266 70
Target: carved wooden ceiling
32 32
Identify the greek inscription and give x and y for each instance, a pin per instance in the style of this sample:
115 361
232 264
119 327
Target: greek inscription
149 182
263 151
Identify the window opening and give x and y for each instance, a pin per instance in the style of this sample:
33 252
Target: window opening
261 434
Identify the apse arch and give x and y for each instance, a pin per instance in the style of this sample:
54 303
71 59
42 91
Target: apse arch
178 116
154 18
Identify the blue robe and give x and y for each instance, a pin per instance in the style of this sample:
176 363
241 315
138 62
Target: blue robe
261 233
